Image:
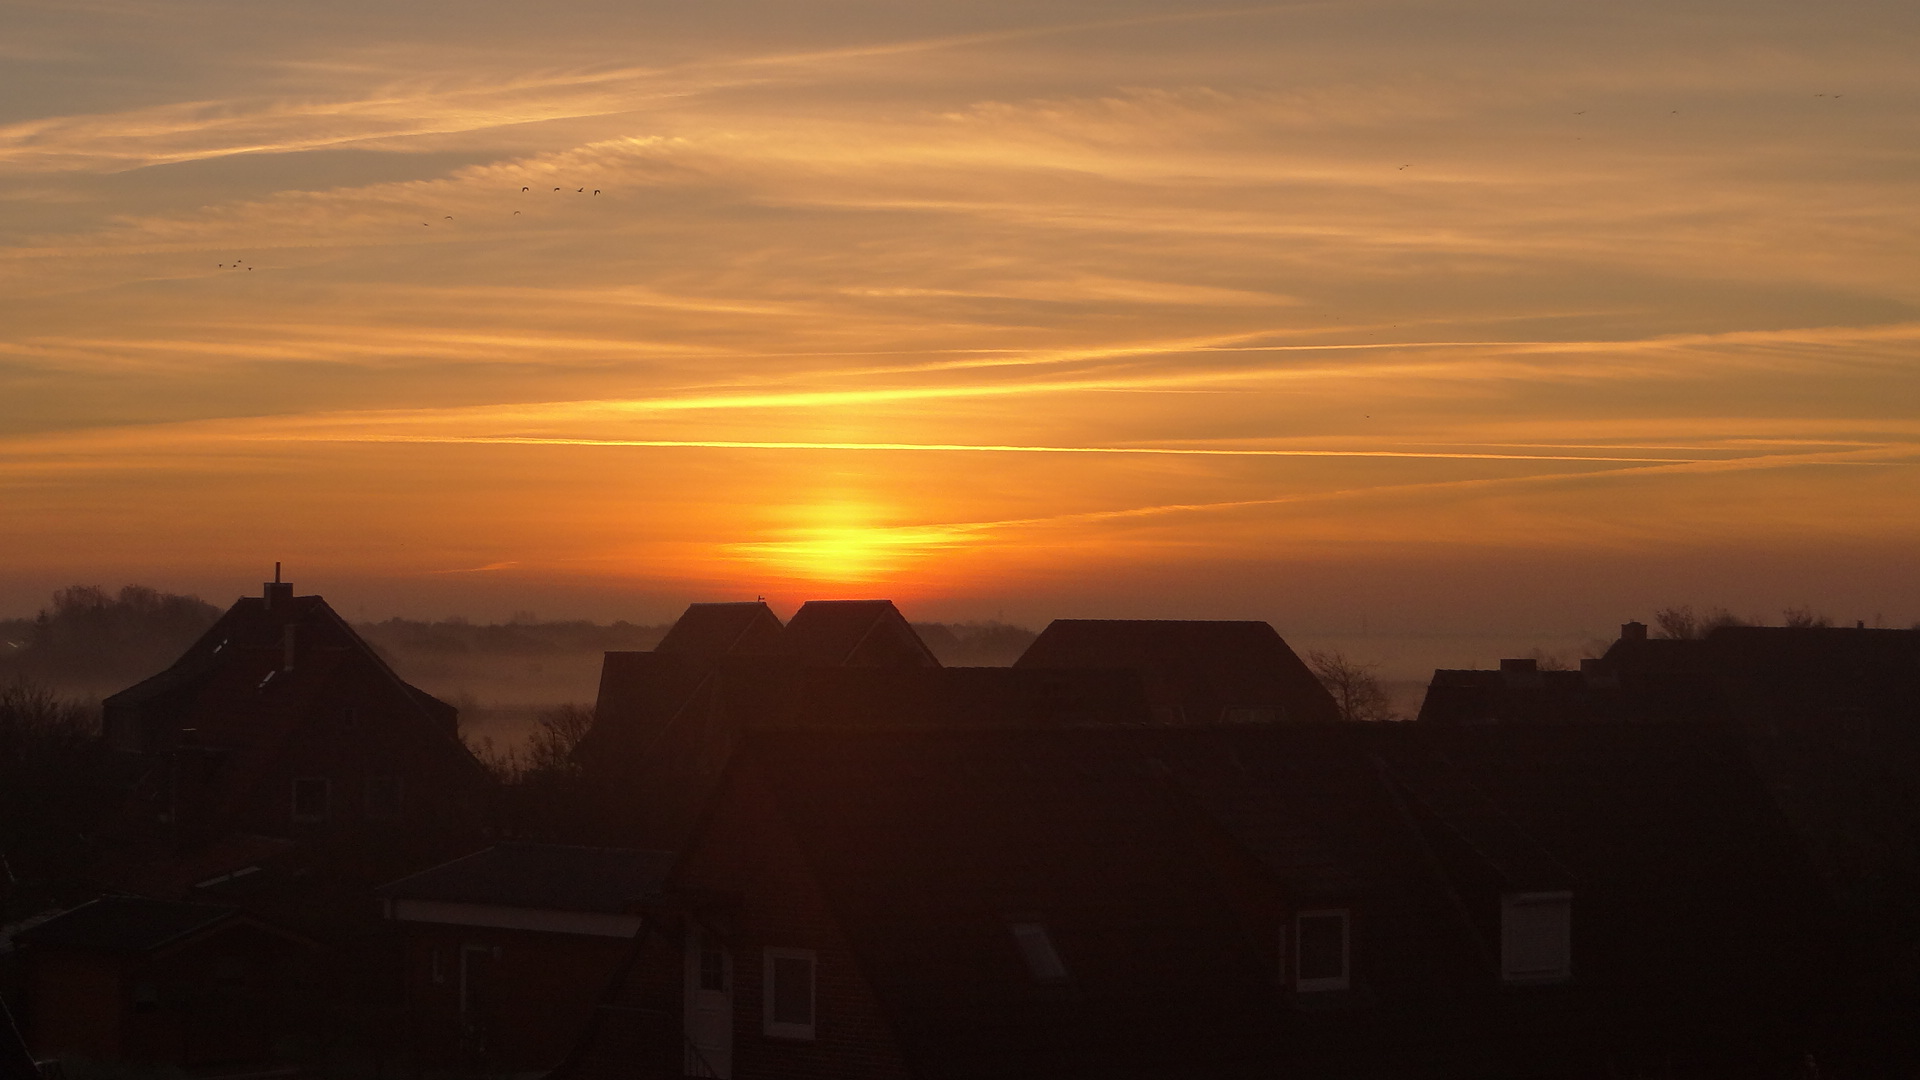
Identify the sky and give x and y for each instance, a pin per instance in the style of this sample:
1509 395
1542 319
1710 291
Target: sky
1399 318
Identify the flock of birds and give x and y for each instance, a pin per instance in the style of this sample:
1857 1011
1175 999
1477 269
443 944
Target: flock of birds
243 264
523 190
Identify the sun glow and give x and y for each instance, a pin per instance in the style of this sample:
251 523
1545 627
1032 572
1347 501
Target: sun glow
840 547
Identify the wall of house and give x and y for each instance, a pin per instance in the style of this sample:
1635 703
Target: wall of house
356 728
530 993
227 998
73 1004
745 851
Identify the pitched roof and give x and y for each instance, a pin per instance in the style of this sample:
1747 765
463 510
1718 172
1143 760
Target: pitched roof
870 633
550 877
1196 671
126 924
705 631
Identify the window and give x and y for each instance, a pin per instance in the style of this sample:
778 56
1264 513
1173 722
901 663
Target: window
310 798
789 993
383 798
1320 953
1036 948
1536 937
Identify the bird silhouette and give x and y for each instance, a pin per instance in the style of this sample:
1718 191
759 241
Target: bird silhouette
526 189
596 191
516 211
556 189
578 190
449 217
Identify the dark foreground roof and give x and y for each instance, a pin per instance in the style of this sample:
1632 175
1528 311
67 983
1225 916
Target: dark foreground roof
868 633
1197 672
706 631
550 877
126 924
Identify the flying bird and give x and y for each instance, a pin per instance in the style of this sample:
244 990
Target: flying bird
596 191
516 211
449 217
578 190
526 189
556 189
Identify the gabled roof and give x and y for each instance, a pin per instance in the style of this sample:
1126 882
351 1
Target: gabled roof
126 924
549 877
706 631
865 633
1198 672
249 642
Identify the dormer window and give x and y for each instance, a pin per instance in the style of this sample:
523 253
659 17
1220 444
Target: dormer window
1321 950
1536 938
1036 948
788 993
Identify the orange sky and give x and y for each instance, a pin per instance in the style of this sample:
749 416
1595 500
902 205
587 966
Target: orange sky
1427 317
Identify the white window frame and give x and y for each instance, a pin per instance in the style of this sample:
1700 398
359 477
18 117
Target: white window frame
1344 980
786 1029
326 798
1513 976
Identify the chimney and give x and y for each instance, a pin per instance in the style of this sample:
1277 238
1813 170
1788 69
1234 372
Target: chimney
1520 671
1633 631
275 591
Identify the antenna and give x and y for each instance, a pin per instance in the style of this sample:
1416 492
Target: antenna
276 573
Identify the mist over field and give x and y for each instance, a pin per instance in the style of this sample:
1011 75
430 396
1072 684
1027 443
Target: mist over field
90 642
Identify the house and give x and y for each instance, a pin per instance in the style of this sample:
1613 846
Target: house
282 722
1600 692
1227 901
1829 717
505 950
160 983
665 720
1195 672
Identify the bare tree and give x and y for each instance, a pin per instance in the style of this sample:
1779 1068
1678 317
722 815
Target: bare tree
557 731
1804 619
1354 686
1684 624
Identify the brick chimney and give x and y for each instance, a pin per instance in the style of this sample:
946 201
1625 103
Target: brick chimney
1521 671
276 591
